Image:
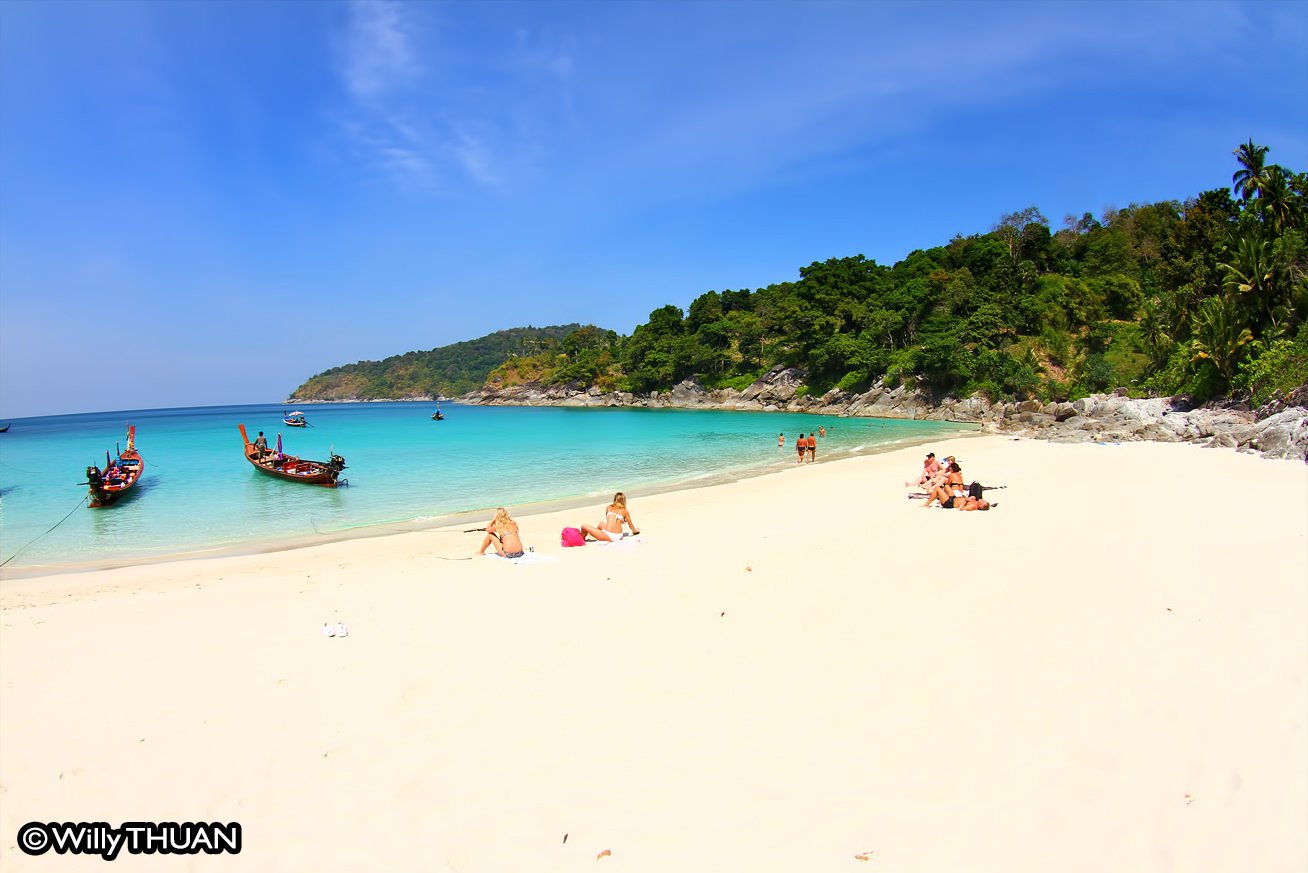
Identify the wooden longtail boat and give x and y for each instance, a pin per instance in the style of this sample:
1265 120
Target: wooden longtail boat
283 466
295 419
110 485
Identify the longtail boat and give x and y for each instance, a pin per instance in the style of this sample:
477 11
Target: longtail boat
111 484
295 419
284 466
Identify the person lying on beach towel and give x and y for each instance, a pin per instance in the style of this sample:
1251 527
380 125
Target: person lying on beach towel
615 516
503 532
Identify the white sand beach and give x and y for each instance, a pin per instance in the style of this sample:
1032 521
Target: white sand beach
1105 673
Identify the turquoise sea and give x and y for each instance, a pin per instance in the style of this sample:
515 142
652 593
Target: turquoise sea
199 494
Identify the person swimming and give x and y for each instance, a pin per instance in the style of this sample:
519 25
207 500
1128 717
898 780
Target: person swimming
616 515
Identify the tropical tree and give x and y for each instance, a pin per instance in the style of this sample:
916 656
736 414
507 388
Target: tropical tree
1248 179
1153 332
1276 202
1220 335
1255 276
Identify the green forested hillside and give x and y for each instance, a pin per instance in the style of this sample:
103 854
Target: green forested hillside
448 370
1206 297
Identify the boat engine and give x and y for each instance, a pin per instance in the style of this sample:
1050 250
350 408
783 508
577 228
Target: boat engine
337 463
95 480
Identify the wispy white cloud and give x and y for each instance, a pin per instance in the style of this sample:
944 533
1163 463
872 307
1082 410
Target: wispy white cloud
381 68
477 159
379 56
434 108
866 76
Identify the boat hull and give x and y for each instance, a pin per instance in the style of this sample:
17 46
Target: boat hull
293 469
120 480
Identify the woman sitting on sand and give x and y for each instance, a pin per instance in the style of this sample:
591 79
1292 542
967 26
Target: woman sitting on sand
951 489
930 467
610 529
503 532
941 476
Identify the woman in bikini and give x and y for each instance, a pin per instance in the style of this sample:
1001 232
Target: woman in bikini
610 529
953 488
930 467
503 532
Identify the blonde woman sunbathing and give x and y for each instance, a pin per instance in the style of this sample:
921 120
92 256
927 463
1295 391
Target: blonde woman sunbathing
503 532
615 516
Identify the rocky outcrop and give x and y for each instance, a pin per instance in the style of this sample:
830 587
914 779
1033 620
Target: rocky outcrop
1280 432
1116 418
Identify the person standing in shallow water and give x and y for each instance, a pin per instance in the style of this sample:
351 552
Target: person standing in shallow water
781 440
812 448
800 447
822 432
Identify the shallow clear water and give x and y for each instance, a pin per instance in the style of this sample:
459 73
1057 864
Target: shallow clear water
198 492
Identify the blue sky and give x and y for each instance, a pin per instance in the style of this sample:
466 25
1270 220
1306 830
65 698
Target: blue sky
206 203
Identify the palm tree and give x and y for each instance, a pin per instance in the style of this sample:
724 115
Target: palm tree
1248 179
1254 274
1152 332
1276 202
1220 336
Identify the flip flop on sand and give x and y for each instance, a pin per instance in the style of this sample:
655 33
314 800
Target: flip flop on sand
342 630
328 630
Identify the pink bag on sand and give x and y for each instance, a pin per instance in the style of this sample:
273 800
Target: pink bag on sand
573 537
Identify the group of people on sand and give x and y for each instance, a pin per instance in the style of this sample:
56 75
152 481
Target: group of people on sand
502 531
943 484
804 445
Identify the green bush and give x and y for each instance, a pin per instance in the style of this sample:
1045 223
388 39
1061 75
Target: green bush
736 383
853 382
1279 369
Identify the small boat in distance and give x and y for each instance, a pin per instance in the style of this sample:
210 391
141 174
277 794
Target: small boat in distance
438 415
119 477
295 419
283 466
4 429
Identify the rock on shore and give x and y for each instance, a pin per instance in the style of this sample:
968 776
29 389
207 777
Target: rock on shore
1276 431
